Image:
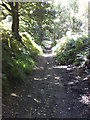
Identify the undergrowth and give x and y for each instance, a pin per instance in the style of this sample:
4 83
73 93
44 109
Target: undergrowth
17 61
73 50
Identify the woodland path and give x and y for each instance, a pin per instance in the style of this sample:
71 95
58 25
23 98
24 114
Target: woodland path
50 92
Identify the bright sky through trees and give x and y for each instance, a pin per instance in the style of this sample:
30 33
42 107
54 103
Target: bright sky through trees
65 2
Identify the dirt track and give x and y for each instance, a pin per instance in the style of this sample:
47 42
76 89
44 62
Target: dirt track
52 91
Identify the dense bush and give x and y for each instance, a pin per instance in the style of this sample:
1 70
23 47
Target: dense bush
17 60
73 50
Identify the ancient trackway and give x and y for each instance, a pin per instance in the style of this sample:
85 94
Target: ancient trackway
48 93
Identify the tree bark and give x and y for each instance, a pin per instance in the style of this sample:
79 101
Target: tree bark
15 20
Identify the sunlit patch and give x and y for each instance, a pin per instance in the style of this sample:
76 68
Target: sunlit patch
49 68
45 78
57 78
86 78
77 77
69 68
29 96
44 114
60 67
42 68
49 55
36 68
36 100
38 113
39 68
70 83
85 100
14 95
32 42
48 75
76 81
47 63
37 79
57 83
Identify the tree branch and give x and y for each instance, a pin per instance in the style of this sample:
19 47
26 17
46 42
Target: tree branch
5 6
11 4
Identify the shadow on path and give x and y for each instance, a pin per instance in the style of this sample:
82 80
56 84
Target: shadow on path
49 93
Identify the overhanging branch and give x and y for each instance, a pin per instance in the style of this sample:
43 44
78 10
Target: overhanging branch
5 6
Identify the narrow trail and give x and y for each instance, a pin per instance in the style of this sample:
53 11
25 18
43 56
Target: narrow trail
48 93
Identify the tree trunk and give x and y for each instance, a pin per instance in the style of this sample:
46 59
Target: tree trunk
41 34
15 20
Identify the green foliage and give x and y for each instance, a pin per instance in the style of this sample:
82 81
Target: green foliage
74 5
17 61
73 51
81 57
5 83
31 45
40 21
